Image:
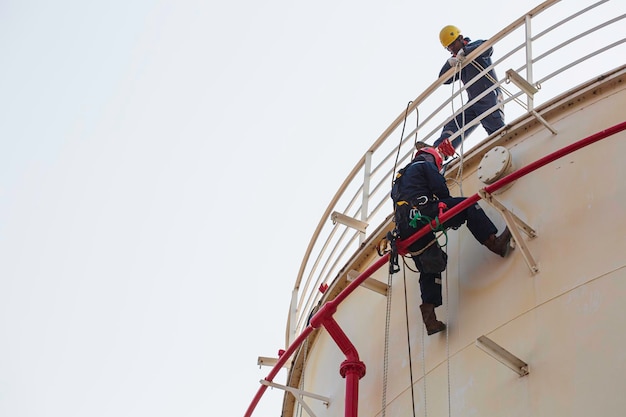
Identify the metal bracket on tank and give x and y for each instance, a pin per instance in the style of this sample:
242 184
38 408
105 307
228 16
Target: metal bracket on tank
515 224
530 90
341 218
265 361
298 394
370 283
502 355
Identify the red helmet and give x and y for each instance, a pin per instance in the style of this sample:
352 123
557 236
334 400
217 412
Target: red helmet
434 152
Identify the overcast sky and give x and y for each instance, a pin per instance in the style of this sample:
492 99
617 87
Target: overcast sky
163 165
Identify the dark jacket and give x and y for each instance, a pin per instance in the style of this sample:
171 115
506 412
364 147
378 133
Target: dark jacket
421 178
469 71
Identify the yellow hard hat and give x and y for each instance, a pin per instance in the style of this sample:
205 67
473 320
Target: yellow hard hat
448 35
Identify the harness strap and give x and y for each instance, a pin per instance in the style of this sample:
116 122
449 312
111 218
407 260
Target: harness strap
419 252
427 220
420 200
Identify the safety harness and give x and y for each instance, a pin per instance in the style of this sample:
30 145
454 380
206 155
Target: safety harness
389 243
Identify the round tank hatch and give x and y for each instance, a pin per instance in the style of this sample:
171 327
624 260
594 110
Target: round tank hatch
495 164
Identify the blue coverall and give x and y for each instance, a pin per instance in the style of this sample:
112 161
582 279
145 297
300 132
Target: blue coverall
422 179
492 122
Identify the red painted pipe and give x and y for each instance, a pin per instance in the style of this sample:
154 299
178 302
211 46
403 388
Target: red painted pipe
352 369
279 364
324 315
402 245
555 155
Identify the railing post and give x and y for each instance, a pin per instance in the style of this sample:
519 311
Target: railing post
367 173
293 317
529 61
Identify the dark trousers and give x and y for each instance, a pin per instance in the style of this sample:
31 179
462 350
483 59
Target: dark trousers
474 216
430 286
477 222
491 123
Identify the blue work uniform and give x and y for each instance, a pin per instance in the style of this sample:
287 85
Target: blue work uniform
422 188
493 121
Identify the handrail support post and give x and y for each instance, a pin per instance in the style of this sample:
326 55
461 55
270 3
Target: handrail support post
530 90
370 283
514 224
367 175
298 394
502 355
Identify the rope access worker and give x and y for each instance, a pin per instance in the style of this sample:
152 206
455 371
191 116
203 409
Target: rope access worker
418 190
459 46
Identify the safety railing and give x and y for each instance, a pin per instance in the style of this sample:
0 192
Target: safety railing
552 48
324 317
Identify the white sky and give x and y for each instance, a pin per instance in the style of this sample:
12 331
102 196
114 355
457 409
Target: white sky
163 165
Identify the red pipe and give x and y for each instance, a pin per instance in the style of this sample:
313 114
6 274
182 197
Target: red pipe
352 372
402 245
279 364
554 156
350 369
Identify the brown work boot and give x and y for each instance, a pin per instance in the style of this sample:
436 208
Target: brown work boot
430 319
499 245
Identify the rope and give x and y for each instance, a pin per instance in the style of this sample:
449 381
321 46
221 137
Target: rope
386 349
395 164
408 342
459 182
419 252
392 269
299 408
448 343
458 79
493 80
417 124
427 220
424 371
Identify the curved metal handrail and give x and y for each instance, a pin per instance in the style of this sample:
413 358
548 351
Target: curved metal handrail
319 317
329 258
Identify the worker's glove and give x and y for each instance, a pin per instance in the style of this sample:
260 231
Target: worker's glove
453 61
446 148
460 55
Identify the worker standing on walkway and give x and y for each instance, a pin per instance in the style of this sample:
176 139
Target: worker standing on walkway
417 193
459 46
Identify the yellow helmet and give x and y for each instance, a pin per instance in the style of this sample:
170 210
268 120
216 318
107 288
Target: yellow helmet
448 35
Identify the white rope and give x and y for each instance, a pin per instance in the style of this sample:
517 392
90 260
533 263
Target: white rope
459 181
301 385
424 371
460 170
386 349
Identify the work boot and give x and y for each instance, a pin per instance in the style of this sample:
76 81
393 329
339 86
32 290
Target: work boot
499 245
430 319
